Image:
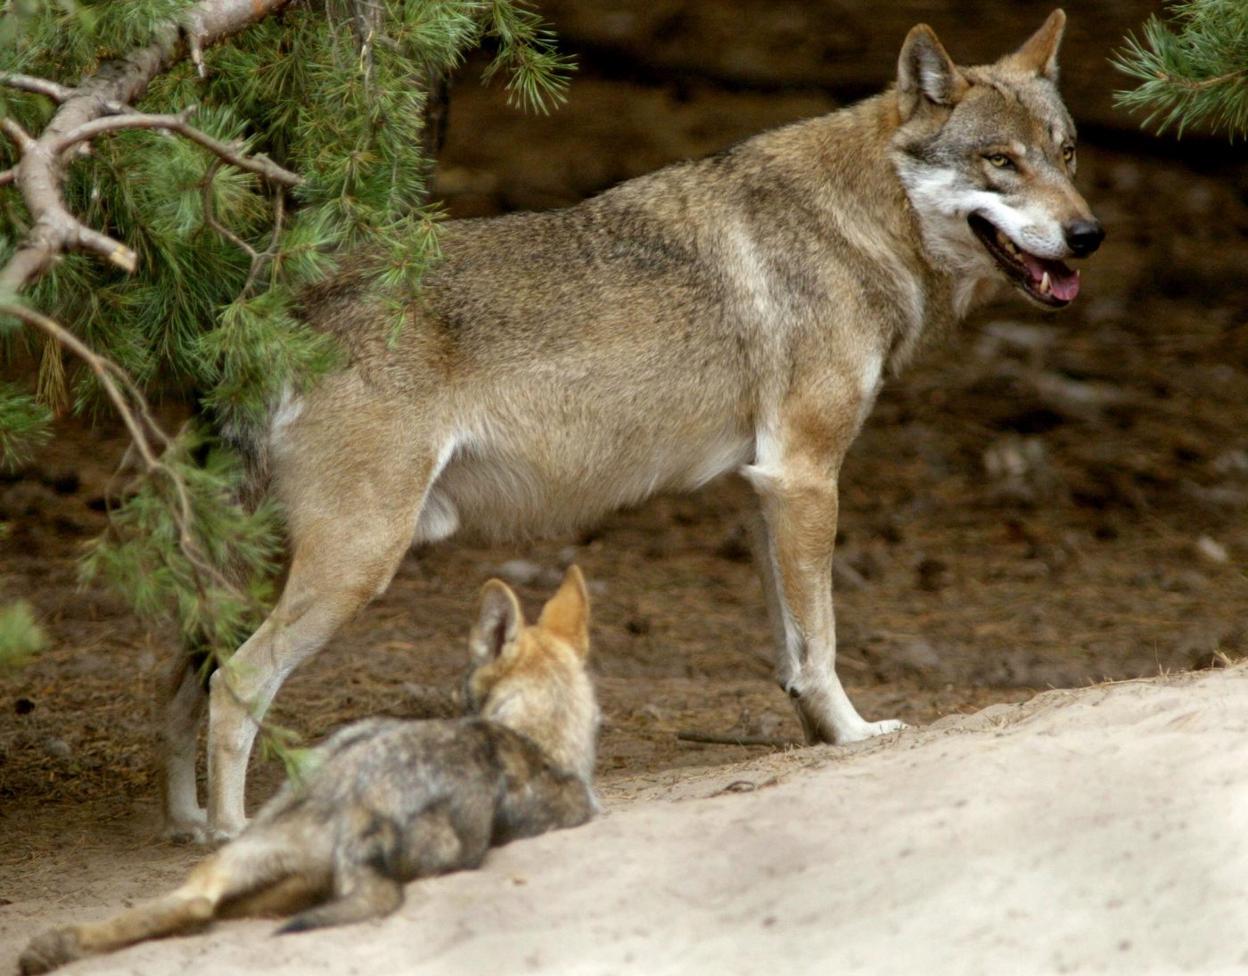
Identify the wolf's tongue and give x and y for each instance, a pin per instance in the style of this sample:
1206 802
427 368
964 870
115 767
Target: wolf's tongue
1063 282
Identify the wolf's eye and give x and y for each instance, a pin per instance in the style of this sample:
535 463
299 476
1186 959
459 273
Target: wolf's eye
1068 153
1000 160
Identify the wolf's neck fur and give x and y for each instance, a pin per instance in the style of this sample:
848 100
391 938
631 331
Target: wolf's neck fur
861 164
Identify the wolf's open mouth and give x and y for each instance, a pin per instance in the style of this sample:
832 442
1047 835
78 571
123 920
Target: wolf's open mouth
1049 282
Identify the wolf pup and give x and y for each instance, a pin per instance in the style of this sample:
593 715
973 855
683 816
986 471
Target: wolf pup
736 313
389 801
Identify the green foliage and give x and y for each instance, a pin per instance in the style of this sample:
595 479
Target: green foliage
1192 69
223 257
20 635
155 554
23 425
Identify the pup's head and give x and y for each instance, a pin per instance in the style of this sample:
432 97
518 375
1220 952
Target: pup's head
987 157
532 678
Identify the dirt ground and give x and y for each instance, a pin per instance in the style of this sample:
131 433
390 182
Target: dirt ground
1042 501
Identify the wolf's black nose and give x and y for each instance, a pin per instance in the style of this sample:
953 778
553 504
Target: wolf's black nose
1084 236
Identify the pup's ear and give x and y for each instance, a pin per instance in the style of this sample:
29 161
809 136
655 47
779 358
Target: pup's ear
498 624
566 615
1039 52
926 73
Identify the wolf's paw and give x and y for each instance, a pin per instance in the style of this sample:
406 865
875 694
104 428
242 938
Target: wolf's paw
219 834
48 951
187 828
869 730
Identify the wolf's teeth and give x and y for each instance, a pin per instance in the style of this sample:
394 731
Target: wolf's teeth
1045 284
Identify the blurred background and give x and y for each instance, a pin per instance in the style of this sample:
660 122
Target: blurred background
1041 501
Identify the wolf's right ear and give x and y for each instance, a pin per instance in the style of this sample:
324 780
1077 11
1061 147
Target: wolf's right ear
498 624
566 615
925 73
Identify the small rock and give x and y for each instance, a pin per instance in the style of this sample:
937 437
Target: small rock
918 657
1020 472
1184 581
1030 342
522 572
1232 462
1076 398
518 572
57 748
1212 550
1218 496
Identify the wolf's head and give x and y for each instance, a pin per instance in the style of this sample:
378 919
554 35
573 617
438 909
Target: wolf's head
987 157
533 678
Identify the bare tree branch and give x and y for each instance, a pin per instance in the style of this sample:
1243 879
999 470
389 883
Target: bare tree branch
260 165
21 138
38 86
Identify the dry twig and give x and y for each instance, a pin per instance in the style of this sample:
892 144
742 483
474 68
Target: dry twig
728 739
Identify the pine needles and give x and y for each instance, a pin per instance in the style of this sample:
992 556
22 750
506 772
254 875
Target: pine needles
222 244
1192 69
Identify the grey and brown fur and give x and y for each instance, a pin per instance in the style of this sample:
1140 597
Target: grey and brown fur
735 313
389 801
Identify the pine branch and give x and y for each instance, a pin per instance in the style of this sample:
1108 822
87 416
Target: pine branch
40 173
1191 69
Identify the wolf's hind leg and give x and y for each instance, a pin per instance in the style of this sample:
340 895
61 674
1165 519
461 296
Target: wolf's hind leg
351 517
184 704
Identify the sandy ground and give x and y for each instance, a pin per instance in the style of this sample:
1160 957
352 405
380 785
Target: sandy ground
1097 830
1041 501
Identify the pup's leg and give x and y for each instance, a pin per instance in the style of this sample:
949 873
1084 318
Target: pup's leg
364 894
185 698
368 863
799 503
352 500
248 864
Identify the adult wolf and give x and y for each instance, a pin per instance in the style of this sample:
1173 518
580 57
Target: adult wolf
389 801
734 313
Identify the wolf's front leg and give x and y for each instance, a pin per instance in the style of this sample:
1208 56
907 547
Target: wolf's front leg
799 503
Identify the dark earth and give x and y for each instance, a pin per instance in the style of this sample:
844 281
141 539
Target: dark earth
1041 501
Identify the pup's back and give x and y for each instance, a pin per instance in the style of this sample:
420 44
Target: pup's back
387 801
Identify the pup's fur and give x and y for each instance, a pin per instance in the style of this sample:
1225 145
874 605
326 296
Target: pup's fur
735 313
389 801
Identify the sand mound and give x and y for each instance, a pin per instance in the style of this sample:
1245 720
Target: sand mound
1098 830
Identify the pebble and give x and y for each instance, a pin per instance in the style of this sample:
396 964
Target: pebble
1210 549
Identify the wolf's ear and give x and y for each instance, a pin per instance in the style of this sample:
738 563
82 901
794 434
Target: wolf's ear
1039 52
566 615
926 73
498 624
